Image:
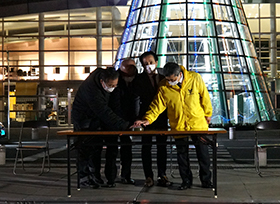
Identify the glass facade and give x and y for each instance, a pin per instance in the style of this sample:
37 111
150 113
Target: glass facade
208 37
44 57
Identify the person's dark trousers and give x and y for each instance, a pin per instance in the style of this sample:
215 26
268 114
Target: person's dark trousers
203 157
202 152
147 155
111 156
90 157
89 153
126 156
182 146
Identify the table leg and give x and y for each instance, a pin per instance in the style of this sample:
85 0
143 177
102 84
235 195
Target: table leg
215 145
68 166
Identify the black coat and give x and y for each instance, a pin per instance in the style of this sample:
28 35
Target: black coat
146 91
91 107
128 100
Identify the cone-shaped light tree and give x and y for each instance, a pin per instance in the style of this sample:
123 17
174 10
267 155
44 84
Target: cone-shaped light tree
210 37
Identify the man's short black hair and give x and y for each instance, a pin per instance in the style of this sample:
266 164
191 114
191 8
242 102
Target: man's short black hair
109 74
145 54
171 68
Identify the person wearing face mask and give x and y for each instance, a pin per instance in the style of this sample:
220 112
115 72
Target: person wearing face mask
186 98
129 103
146 86
90 112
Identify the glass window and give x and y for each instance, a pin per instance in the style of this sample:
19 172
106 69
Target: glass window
201 28
172 28
278 25
151 2
133 18
150 14
240 16
254 65
199 11
59 43
218 108
237 82
142 46
118 27
125 50
107 43
253 25
264 10
264 103
223 12
212 81
147 30
251 10
265 25
230 46
129 34
20 43
173 11
174 46
233 64
244 32
136 4
221 1
76 28
79 43
202 45
226 29
258 82
21 28
249 49
277 9
179 59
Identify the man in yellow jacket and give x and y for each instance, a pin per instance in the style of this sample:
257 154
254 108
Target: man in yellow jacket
184 94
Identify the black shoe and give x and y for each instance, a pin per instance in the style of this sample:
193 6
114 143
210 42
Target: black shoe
89 184
163 181
207 185
184 186
111 185
127 181
149 182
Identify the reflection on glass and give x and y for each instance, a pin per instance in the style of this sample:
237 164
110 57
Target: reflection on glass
223 13
233 64
199 11
150 14
237 82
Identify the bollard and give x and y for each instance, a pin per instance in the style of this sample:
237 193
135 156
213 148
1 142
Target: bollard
231 133
2 154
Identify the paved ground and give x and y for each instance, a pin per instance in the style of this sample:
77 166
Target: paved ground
235 185
237 179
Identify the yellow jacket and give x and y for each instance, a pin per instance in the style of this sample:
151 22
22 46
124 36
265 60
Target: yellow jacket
186 106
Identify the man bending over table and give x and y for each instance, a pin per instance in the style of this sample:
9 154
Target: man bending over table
186 98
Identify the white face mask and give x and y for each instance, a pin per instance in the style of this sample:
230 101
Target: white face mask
173 83
150 68
128 79
106 88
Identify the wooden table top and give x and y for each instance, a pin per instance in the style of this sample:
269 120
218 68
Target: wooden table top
210 131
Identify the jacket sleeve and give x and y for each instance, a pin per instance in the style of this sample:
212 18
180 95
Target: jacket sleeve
157 106
205 100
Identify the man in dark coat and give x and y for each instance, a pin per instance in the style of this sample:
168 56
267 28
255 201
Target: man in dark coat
91 112
146 85
129 108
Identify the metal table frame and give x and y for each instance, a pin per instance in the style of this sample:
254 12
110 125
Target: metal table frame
210 132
